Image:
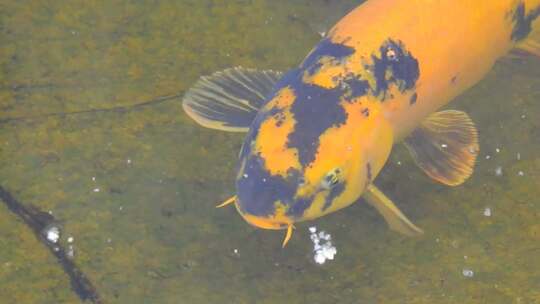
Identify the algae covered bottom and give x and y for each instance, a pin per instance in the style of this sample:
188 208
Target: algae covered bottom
133 181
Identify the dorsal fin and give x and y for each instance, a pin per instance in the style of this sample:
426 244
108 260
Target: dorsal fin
445 146
229 100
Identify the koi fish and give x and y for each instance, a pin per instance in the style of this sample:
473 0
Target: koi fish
318 135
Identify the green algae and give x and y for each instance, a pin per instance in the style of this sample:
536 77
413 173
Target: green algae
136 186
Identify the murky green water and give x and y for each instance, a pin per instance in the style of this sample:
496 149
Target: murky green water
134 181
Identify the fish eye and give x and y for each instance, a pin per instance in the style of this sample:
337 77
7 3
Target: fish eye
331 178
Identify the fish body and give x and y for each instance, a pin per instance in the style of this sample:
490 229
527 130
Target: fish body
454 42
322 133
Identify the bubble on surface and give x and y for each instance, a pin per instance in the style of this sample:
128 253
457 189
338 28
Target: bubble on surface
52 234
322 246
468 273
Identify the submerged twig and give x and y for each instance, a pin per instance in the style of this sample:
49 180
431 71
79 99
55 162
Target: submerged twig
38 221
112 109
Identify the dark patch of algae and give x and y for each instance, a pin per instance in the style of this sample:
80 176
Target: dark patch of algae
151 234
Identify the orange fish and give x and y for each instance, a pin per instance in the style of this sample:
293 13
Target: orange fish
318 135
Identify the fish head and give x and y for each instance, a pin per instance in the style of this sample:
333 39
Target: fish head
299 163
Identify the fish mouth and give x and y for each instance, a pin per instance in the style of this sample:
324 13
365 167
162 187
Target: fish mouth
270 222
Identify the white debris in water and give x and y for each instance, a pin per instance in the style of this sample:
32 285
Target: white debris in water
518 156
53 234
128 161
467 273
523 116
70 252
497 150
498 171
93 178
399 163
70 239
488 156
444 145
322 246
96 190
487 211
521 173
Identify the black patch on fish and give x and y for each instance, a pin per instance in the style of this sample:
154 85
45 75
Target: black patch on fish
354 87
453 80
523 22
325 48
297 209
258 190
315 110
365 112
334 192
413 99
369 174
394 65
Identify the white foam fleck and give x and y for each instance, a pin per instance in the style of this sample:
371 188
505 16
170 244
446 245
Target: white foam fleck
499 171
322 246
53 234
70 252
319 258
521 173
467 273
487 211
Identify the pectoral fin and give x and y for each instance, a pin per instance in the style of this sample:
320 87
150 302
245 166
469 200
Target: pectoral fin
445 146
229 100
393 216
